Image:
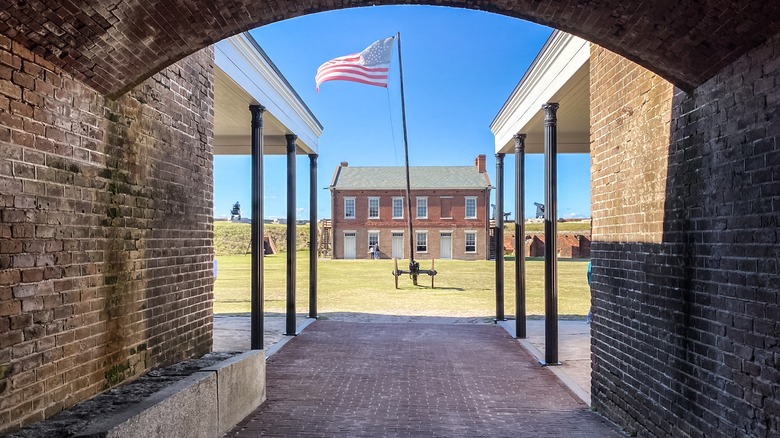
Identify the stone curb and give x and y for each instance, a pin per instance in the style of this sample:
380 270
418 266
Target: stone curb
206 404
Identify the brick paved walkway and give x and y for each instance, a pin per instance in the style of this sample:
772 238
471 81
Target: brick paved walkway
447 380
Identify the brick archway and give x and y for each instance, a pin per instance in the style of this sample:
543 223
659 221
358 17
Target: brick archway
113 45
106 204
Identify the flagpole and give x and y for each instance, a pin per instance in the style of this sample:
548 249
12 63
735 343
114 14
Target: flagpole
412 265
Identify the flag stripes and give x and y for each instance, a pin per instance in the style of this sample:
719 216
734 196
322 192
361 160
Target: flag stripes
371 66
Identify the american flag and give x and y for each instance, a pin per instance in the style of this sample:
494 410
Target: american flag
370 66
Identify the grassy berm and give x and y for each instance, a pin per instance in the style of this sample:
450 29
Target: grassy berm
233 237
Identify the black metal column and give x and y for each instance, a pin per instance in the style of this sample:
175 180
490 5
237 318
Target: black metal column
520 311
550 234
291 234
313 245
499 236
257 232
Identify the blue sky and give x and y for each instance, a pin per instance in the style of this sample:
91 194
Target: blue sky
459 68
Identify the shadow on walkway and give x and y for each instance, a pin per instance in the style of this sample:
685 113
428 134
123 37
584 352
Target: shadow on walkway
573 351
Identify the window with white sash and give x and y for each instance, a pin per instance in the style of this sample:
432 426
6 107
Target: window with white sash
422 208
471 241
373 208
471 207
349 208
422 241
398 208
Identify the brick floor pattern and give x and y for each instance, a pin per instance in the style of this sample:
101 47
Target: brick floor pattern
402 380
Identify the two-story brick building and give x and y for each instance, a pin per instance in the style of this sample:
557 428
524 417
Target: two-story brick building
449 204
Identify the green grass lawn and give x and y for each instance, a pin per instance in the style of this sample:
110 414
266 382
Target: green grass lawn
463 288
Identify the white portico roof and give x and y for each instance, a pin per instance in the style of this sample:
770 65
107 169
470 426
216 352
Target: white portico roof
560 73
244 75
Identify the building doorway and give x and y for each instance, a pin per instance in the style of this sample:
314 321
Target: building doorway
445 242
349 245
398 245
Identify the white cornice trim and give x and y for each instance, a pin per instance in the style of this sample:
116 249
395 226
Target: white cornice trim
368 189
560 58
239 58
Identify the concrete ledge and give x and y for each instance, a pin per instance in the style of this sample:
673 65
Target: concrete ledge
187 408
204 405
240 387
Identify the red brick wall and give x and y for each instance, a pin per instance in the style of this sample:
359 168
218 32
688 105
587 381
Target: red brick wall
434 224
570 245
105 230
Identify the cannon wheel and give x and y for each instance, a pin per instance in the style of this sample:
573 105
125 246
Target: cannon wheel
396 274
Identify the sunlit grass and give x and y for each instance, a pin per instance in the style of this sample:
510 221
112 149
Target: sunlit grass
463 288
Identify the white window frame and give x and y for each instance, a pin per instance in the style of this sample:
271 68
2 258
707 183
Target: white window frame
354 210
373 198
466 207
395 199
417 239
466 241
417 210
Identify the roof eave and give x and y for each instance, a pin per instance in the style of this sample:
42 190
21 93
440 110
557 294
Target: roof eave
413 188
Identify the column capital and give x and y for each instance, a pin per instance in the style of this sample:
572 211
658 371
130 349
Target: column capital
313 159
519 142
500 158
550 110
290 142
257 114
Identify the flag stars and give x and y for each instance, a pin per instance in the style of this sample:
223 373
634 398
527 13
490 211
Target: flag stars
377 53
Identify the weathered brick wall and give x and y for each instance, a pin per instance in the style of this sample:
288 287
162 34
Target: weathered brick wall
105 230
113 44
686 206
630 121
434 224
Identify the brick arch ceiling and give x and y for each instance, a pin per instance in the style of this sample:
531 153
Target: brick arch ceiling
113 45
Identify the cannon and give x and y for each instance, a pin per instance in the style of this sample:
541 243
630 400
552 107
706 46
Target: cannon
235 212
414 272
539 210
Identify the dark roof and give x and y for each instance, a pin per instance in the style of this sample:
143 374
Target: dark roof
422 177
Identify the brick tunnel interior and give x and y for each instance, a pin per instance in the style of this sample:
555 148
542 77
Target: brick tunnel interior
106 138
